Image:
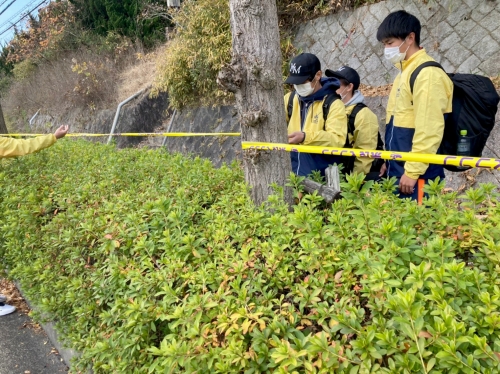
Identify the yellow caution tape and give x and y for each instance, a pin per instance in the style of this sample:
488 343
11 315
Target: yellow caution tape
477 162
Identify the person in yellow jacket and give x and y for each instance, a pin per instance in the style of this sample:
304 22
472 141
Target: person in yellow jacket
364 135
317 115
10 147
415 122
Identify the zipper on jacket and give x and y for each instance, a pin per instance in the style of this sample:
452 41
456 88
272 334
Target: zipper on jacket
302 122
394 115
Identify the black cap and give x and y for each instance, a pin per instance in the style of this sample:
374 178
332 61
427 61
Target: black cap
302 68
347 73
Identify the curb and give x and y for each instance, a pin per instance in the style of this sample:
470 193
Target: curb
67 354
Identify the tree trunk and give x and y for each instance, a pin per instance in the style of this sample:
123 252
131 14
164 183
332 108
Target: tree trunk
254 76
3 126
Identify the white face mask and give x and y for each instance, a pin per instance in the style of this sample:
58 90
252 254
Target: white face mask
342 96
305 89
394 55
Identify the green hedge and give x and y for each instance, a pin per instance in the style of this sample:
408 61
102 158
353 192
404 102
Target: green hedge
157 263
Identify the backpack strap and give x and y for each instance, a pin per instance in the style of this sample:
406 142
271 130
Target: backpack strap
352 117
417 71
350 123
351 127
327 102
289 108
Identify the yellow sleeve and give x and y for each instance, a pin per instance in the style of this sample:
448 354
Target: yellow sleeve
365 137
10 147
335 130
432 95
391 103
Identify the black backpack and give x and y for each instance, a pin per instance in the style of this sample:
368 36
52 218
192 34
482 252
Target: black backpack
377 163
349 164
474 106
329 99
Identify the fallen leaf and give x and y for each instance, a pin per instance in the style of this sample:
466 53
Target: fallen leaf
424 334
338 275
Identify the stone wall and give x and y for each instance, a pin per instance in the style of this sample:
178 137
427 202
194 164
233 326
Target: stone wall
143 114
463 35
219 149
226 149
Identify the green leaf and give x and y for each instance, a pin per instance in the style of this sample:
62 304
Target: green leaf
431 363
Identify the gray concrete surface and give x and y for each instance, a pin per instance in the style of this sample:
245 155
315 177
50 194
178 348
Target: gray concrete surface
143 114
24 350
463 35
67 354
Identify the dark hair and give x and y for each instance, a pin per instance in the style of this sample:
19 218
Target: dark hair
344 82
313 75
399 25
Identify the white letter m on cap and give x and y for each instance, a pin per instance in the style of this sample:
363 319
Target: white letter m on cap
294 70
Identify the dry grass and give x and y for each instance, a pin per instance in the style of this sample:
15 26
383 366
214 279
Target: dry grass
80 80
371 91
293 12
496 82
49 88
139 75
55 88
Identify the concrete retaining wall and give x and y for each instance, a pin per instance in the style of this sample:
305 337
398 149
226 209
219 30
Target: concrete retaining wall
463 35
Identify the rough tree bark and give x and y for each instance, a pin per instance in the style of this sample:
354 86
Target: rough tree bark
254 76
3 126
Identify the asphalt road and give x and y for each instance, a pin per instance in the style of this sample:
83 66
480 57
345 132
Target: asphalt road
25 350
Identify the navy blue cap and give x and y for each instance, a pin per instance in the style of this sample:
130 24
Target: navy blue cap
302 68
346 73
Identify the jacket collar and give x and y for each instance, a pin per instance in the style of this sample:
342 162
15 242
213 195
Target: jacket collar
328 86
411 61
356 99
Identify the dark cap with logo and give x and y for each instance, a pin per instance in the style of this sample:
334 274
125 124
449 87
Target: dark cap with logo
302 68
347 73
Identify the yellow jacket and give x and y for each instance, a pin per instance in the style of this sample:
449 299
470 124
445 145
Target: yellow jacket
10 147
307 116
415 123
329 133
365 136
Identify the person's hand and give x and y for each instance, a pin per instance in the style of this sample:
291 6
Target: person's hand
407 184
61 132
383 170
296 137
